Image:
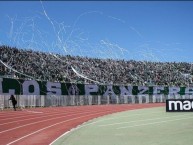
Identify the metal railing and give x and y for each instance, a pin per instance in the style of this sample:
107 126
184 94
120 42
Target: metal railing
31 101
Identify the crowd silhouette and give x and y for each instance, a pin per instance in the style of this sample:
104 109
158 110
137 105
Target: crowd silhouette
44 66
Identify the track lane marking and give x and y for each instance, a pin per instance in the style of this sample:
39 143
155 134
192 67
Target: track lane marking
54 125
40 122
36 117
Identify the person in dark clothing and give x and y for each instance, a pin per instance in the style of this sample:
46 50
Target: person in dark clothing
14 101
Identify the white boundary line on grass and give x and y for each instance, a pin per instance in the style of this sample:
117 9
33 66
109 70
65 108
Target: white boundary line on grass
83 125
87 124
73 129
141 120
112 118
159 122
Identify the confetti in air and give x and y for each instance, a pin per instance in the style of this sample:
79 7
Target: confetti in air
67 44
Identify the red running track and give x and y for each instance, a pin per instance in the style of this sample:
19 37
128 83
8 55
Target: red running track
43 125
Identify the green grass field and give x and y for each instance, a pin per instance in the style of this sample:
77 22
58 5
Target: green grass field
136 127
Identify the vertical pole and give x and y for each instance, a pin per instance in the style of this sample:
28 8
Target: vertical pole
99 100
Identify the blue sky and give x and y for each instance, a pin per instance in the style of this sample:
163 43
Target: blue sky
139 30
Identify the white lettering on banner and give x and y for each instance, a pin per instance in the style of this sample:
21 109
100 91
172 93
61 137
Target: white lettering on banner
73 90
188 105
176 103
109 91
189 90
142 89
158 89
174 90
53 88
91 89
126 91
10 92
27 84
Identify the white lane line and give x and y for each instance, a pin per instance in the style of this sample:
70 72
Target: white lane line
31 114
35 117
54 125
76 128
41 121
159 122
33 111
45 115
53 114
141 120
18 116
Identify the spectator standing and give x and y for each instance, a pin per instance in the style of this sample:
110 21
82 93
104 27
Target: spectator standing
14 102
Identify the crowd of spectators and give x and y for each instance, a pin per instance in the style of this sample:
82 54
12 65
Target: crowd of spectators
44 66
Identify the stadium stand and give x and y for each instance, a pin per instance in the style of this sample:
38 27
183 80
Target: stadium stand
20 63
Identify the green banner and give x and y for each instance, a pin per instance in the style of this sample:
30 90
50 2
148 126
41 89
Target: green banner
34 87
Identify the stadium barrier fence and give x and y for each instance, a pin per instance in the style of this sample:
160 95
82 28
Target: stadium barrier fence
30 101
